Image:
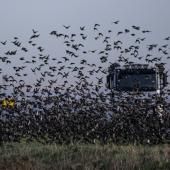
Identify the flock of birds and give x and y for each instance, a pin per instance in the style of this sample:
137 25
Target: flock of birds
64 99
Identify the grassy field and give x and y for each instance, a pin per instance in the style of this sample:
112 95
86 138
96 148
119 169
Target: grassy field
35 156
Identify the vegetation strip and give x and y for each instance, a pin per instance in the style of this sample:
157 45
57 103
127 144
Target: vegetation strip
82 156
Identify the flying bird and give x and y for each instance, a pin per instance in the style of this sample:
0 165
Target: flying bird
66 27
34 31
116 22
3 43
135 27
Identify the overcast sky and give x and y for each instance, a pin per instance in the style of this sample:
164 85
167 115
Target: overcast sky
19 17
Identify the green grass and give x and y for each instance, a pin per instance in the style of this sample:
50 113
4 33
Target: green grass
22 156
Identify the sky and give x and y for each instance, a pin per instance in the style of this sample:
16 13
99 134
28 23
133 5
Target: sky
19 17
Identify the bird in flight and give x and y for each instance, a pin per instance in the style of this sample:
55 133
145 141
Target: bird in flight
146 31
3 43
66 27
135 27
116 22
167 38
34 31
82 28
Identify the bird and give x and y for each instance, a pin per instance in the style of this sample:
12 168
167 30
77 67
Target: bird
167 38
24 49
82 28
135 27
145 31
127 30
53 33
95 28
55 94
3 42
34 31
116 22
120 32
40 49
96 25
34 36
66 27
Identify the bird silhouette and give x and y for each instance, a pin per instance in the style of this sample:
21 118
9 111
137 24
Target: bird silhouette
135 27
3 42
167 38
34 31
66 27
82 28
116 22
55 94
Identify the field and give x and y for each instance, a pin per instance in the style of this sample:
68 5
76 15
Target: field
35 156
